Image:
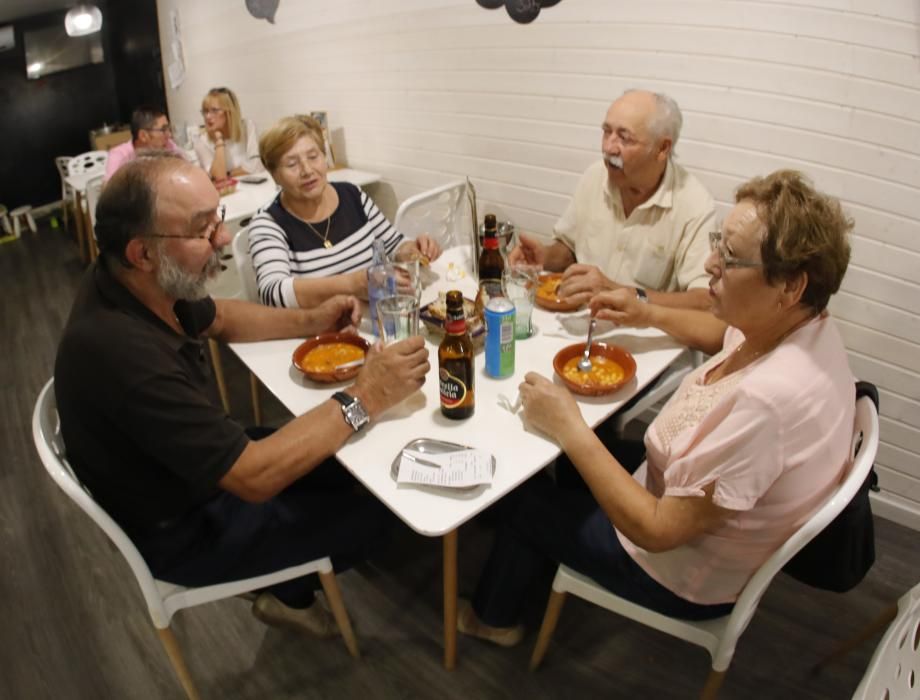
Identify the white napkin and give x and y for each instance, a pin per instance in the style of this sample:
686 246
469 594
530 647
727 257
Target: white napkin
575 326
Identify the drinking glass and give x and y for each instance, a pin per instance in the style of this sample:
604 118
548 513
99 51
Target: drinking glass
408 277
519 283
397 318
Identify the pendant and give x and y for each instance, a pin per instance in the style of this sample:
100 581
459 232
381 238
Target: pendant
327 244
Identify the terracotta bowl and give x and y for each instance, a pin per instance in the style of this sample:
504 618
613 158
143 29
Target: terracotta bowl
612 352
552 303
337 375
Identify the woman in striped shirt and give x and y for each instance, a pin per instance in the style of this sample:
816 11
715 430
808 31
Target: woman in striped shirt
316 238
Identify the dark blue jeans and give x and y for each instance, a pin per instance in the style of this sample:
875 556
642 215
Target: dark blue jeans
323 514
544 526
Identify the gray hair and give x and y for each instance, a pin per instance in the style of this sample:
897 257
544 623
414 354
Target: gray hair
667 120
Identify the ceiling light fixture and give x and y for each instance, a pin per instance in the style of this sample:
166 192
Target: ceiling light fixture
82 20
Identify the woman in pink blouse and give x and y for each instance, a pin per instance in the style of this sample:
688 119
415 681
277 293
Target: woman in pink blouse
743 453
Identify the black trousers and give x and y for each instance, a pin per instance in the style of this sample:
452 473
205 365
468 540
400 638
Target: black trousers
325 513
545 526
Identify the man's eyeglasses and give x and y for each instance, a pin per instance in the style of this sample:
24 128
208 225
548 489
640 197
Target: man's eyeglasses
211 110
207 233
162 129
725 258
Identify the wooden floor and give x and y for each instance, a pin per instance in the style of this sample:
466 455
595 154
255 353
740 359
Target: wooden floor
73 623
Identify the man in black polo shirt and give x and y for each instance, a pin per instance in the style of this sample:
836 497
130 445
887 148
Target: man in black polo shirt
143 425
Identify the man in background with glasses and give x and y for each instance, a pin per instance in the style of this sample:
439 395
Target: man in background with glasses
150 130
145 432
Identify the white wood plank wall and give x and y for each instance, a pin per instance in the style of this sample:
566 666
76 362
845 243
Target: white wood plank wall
425 91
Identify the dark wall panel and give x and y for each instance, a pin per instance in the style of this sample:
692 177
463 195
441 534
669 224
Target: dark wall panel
53 116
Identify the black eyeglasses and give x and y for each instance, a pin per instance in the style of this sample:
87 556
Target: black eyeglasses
162 129
207 234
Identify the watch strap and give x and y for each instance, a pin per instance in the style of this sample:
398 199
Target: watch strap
345 399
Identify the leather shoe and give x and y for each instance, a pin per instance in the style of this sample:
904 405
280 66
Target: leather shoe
469 624
315 620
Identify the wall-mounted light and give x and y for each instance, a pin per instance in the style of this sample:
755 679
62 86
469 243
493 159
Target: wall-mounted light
82 20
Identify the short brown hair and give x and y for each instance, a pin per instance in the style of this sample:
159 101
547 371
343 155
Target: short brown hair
806 231
282 136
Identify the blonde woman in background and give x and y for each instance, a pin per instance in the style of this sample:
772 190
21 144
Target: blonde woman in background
229 145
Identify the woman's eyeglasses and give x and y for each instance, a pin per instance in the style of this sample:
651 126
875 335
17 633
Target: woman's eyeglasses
725 258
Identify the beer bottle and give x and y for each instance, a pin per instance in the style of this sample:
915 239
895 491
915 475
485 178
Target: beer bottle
491 264
455 362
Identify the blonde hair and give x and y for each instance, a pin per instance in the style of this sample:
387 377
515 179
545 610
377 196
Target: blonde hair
806 231
281 137
227 101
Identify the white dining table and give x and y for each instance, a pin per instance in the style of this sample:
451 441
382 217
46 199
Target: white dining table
519 452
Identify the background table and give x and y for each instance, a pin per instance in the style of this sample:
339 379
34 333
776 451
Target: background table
249 198
519 453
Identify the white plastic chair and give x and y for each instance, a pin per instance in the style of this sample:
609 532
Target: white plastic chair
165 599
894 670
250 291
91 162
442 213
719 636
5 221
67 193
93 190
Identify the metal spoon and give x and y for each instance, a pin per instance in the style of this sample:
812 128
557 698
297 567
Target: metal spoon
584 364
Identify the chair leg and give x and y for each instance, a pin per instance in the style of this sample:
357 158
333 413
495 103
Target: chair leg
449 546
256 403
880 623
337 606
550 618
219 374
178 663
713 683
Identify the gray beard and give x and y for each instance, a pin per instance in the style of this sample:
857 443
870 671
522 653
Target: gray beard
179 284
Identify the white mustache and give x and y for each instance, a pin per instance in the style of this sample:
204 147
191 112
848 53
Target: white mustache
615 161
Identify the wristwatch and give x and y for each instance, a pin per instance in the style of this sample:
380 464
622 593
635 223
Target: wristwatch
353 410
641 295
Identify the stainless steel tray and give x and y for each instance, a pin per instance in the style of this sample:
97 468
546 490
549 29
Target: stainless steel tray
431 446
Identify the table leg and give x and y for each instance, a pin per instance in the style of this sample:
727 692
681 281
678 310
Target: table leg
450 600
90 234
78 221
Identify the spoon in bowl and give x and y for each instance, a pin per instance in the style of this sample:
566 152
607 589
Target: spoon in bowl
584 364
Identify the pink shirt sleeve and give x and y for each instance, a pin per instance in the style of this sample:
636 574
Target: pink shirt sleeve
117 157
739 447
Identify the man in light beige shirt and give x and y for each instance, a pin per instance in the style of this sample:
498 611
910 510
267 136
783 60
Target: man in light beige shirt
637 219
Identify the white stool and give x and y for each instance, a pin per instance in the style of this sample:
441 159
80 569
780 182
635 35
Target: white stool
5 220
17 215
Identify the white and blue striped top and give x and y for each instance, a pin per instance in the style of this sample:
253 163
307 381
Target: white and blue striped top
283 246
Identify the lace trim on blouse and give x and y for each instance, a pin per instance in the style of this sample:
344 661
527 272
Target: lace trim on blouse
693 400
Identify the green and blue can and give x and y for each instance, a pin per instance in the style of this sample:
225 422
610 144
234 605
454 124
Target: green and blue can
499 315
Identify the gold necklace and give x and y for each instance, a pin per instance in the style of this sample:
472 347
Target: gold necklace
770 348
325 237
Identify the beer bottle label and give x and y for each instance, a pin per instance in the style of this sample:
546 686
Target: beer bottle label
453 389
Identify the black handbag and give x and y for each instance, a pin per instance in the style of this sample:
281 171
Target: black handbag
839 556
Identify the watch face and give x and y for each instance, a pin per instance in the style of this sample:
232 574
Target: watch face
355 415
